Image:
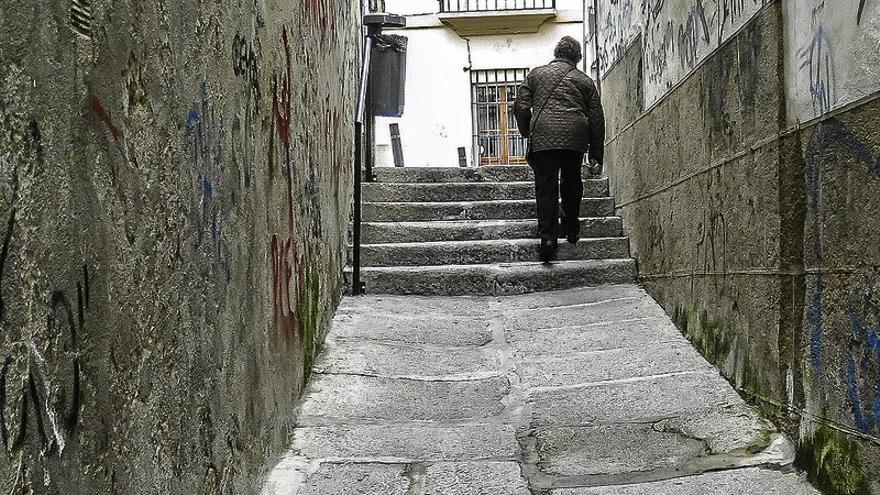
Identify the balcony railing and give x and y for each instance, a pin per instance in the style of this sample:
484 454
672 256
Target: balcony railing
456 6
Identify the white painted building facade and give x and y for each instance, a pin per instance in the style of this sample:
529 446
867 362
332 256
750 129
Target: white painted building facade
463 67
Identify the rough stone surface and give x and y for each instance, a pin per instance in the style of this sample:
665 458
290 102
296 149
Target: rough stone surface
736 482
501 279
636 400
476 230
466 191
602 394
615 449
487 252
512 209
494 173
355 397
357 479
175 184
409 443
472 478
370 358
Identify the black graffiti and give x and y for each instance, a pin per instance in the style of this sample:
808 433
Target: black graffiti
4 253
33 139
34 397
691 33
246 65
61 304
819 60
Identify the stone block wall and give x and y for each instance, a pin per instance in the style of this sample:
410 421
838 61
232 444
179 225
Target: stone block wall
175 184
761 236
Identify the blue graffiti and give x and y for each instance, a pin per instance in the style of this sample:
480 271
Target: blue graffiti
193 118
860 362
831 133
819 60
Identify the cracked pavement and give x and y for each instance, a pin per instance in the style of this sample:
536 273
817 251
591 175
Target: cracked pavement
582 392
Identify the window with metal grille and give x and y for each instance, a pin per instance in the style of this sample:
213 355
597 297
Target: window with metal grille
496 138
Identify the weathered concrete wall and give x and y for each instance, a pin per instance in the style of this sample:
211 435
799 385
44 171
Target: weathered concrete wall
762 239
174 201
677 35
833 54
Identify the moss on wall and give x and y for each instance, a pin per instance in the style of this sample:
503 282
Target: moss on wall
831 461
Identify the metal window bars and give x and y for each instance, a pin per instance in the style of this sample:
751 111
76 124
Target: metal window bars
496 139
494 5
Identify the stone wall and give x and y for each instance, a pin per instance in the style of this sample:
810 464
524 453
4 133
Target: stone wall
761 238
174 198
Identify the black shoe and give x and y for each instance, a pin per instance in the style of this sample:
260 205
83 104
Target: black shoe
573 238
547 250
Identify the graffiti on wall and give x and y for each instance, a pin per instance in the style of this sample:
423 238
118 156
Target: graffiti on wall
205 133
833 57
677 35
245 64
863 367
49 393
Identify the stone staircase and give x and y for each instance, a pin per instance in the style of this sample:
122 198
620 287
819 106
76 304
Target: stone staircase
473 231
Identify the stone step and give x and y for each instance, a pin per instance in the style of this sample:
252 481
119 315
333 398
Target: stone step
471 210
506 279
485 252
454 174
476 230
465 191
492 173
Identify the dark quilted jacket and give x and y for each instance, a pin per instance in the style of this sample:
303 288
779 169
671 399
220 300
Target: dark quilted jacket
572 118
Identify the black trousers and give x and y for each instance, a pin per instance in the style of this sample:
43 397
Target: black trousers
558 171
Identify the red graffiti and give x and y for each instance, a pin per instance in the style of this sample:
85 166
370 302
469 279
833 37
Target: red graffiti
281 119
285 265
321 17
102 114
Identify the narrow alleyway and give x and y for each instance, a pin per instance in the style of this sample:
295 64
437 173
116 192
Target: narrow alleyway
582 392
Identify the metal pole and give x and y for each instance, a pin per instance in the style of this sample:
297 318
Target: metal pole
595 28
357 287
370 121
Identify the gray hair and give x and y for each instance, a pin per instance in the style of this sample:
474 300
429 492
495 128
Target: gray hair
569 49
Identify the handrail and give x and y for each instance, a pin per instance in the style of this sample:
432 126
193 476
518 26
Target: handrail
365 77
359 121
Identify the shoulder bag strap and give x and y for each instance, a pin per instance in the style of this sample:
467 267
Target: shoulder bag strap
552 91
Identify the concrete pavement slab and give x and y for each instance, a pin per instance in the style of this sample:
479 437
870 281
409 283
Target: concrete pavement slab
357 398
571 297
640 400
475 478
357 479
409 360
431 329
612 449
654 331
627 308
408 442
752 481
612 364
